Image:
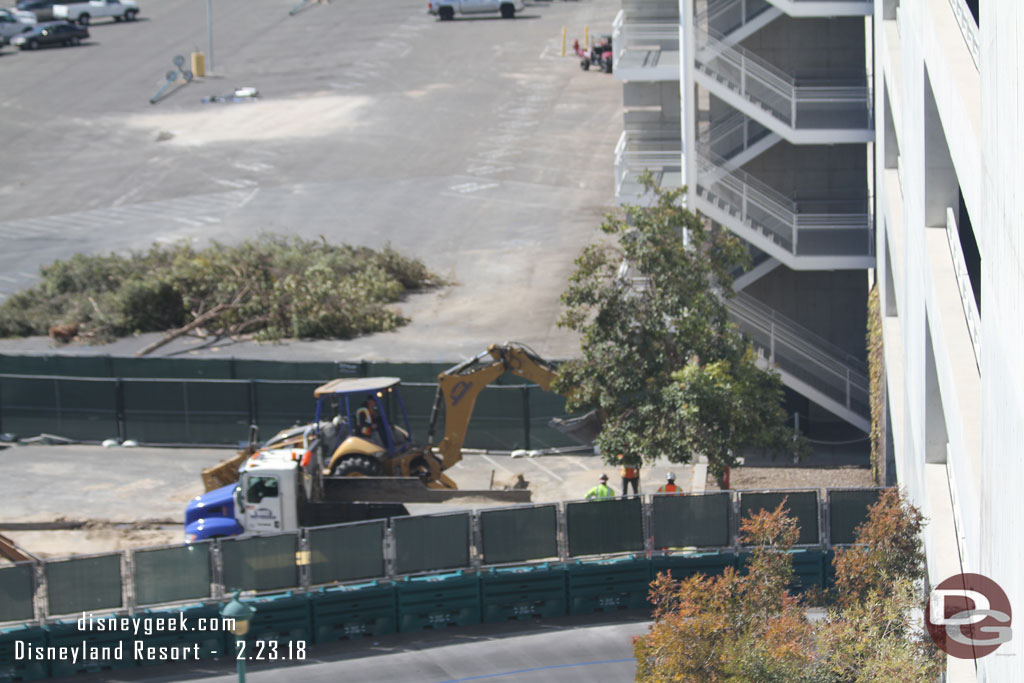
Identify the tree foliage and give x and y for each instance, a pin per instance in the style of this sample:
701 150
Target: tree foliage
669 373
749 628
273 287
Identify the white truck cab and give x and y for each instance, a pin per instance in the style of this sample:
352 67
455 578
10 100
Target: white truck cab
446 9
270 484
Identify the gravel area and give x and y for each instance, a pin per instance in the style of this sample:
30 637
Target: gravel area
843 476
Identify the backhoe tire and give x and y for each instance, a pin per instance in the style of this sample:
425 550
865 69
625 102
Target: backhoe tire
357 466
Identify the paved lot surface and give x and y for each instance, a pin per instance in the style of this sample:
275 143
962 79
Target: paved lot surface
133 497
552 651
470 144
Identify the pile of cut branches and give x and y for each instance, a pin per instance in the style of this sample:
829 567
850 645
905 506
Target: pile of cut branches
267 288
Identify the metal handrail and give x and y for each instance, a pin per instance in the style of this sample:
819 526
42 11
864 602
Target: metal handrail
748 10
968 28
792 331
779 92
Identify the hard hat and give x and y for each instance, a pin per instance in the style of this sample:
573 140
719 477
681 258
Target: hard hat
671 477
604 477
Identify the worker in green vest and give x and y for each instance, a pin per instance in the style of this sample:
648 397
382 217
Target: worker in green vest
602 491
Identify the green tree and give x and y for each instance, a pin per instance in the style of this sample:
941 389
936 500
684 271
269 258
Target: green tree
670 375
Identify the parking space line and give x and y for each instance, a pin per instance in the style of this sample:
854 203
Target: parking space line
534 461
497 464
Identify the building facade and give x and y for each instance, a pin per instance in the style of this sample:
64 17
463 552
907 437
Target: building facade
852 143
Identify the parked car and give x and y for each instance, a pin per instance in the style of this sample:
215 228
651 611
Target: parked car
446 9
14 21
84 12
51 33
42 9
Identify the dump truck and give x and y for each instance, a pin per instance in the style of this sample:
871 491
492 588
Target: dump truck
358 459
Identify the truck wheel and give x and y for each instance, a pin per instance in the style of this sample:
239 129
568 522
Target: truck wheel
357 466
508 11
130 15
33 44
84 20
75 41
446 13
585 64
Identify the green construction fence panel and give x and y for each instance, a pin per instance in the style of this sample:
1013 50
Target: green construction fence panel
354 611
171 368
83 409
260 563
17 590
14 669
186 411
438 601
608 585
204 635
527 592
544 405
497 422
284 618
848 509
700 521
171 574
603 527
407 372
320 372
282 404
346 553
809 569
519 534
686 565
802 505
431 542
86 584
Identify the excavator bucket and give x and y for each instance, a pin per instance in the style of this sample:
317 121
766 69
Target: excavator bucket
583 429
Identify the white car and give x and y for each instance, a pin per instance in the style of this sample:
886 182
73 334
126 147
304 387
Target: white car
84 12
13 22
446 9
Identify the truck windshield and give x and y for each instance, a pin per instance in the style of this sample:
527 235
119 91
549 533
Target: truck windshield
260 488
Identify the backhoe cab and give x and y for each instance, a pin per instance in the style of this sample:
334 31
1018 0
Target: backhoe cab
362 429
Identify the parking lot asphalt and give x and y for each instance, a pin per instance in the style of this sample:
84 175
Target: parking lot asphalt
470 144
559 650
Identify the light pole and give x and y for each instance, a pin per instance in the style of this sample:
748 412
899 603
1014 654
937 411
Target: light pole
209 31
242 614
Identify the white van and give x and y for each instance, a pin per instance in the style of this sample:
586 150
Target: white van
446 9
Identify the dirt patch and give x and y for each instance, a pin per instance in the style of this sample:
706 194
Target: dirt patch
796 478
95 537
258 120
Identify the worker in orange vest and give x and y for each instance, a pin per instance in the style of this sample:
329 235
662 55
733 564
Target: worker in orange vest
630 475
670 485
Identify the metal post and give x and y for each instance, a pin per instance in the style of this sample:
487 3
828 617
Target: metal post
240 660
526 417
209 31
771 343
563 41
743 74
119 418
